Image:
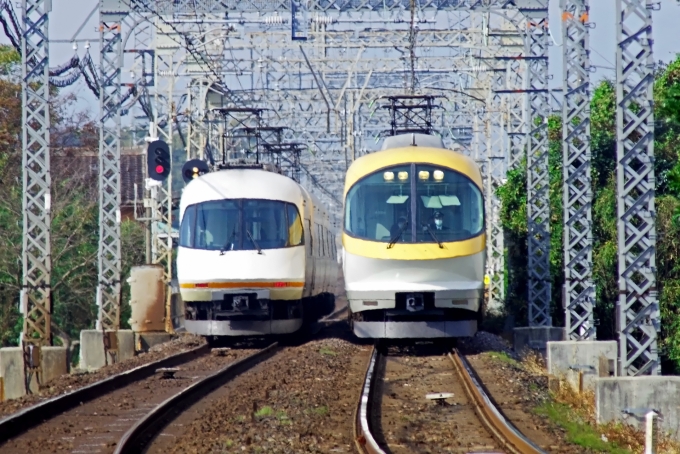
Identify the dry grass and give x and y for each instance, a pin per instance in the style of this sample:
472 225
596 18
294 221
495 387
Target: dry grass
583 407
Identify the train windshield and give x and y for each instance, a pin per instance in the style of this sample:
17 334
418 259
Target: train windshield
241 224
438 205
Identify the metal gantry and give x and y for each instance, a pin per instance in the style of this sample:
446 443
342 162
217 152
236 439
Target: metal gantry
637 310
579 289
164 126
110 99
36 293
538 178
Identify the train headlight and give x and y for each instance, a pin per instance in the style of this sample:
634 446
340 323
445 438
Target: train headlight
424 175
438 175
403 176
388 176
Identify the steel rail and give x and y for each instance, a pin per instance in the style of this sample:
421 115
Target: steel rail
504 432
363 438
137 439
18 423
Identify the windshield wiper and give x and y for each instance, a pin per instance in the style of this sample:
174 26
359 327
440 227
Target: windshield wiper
434 237
229 242
396 238
259 251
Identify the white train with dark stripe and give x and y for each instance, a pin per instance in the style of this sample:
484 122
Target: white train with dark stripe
414 243
256 254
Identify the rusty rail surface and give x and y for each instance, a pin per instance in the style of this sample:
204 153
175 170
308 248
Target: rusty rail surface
26 419
137 439
503 431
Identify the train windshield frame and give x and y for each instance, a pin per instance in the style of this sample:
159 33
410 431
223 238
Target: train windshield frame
443 204
241 225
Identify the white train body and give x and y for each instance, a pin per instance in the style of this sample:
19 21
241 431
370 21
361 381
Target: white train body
256 254
406 282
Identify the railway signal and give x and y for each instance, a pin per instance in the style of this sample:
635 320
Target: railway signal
158 160
194 168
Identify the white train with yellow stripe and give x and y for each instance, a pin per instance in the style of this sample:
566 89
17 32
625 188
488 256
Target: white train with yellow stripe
414 241
256 254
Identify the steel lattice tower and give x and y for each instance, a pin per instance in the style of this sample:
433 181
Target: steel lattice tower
579 291
637 310
109 286
36 295
538 179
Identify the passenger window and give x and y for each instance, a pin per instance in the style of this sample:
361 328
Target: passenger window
295 236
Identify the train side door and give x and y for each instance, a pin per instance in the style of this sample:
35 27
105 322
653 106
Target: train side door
309 262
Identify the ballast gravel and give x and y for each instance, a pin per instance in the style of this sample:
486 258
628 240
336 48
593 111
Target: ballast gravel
71 382
301 400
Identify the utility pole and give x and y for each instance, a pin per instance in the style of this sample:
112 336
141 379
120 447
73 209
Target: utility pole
579 290
36 292
638 318
110 40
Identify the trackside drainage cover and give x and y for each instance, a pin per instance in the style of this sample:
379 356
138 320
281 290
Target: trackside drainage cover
168 372
440 398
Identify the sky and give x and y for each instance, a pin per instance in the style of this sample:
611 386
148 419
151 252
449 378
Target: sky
68 15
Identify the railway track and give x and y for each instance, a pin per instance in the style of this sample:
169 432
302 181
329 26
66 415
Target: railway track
121 413
390 418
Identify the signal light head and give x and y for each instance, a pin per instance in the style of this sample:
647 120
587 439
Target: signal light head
159 160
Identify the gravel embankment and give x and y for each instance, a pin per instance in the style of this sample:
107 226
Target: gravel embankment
301 400
74 381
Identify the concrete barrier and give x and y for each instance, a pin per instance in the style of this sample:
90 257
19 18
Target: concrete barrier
536 337
144 341
12 373
53 363
92 355
618 396
592 359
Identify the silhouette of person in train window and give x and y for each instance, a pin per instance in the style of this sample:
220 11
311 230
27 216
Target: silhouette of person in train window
398 228
437 223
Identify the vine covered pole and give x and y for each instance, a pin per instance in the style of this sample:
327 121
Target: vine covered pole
637 309
36 292
538 178
579 291
111 15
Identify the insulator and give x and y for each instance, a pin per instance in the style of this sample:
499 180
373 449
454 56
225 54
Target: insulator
274 20
323 20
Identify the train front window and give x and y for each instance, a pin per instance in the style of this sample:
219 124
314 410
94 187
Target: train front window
414 203
241 224
449 205
378 207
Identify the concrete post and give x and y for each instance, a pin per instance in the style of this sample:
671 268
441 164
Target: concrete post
651 432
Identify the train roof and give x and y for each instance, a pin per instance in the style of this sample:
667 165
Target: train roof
373 162
242 183
246 183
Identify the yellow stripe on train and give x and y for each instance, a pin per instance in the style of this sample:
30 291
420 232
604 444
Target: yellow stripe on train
413 251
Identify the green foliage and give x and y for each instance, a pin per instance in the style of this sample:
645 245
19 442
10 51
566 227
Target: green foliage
604 212
9 59
578 430
74 231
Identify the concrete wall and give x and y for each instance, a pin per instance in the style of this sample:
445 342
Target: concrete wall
613 395
12 372
92 348
563 355
53 364
536 337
